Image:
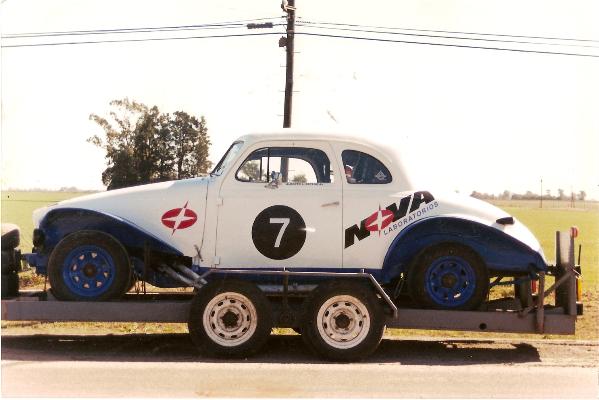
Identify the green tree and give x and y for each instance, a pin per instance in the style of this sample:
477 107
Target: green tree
191 144
144 145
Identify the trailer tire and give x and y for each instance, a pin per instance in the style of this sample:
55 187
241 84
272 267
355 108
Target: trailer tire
10 284
89 266
448 276
230 318
344 321
10 261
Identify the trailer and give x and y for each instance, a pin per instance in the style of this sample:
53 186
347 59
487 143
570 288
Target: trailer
528 312
331 235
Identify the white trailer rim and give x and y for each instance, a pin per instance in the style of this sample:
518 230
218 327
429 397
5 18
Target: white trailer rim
343 321
230 319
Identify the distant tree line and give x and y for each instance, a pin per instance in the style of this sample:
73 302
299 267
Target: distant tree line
144 145
507 195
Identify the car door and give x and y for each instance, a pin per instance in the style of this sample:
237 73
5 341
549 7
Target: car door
296 223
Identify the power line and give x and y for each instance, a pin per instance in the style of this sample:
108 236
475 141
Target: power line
443 44
317 26
451 32
216 25
141 40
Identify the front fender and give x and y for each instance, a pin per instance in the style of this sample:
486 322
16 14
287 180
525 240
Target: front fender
59 223
500 252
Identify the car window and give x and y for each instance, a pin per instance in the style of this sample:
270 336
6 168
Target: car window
362 168
297 165
227 158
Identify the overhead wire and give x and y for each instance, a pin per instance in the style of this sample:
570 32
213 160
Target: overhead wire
318 26
300 19
215 25
308 24
444 44
141 40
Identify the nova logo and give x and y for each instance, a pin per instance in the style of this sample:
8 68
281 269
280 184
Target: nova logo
380 219
179 218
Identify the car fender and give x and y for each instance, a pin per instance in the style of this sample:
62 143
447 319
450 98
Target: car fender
61 222
500 252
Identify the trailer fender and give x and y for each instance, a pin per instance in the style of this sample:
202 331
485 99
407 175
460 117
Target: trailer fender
62 222
499 251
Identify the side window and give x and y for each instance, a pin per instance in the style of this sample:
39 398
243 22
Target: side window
363 168
297 165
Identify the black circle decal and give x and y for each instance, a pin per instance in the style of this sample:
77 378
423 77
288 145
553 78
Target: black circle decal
279 232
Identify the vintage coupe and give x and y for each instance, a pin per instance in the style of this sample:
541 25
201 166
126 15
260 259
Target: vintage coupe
286 201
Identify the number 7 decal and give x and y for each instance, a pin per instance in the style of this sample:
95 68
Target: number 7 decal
285 222
273 224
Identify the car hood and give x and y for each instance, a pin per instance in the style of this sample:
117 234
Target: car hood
173 211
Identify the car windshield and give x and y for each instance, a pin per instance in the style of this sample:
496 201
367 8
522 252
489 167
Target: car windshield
227 158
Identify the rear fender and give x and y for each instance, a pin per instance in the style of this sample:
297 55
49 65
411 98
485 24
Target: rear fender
500 252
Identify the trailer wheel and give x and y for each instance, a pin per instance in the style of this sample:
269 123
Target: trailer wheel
230 318
449 276
87 266
344 321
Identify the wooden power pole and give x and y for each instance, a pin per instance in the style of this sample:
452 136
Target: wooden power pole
289 7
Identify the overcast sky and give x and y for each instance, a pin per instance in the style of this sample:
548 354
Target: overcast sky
470 119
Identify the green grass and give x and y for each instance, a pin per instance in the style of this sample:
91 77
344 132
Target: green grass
17 208
543 222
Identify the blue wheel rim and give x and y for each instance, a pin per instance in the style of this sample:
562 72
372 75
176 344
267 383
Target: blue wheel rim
88 271
450 281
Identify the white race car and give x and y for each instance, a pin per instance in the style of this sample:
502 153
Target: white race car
287 200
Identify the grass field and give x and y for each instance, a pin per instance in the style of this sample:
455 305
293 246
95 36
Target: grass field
16 207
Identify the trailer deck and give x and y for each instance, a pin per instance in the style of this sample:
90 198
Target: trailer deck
537 317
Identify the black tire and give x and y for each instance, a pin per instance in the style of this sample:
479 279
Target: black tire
10 285
89 266
11 236
10 261
344 321
230 319
448 276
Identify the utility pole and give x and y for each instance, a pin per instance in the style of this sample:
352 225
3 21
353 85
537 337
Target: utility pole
541 193
289 7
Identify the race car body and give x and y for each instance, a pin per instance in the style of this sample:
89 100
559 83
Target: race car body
315 202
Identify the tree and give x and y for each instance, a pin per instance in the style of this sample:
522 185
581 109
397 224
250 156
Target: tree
144 145
582 195
561 194
299 178
191 144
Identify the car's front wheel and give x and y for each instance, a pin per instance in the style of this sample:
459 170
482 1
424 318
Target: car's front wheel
89 266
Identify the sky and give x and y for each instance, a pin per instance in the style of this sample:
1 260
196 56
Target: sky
467 119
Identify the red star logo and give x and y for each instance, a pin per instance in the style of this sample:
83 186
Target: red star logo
179 218
379 220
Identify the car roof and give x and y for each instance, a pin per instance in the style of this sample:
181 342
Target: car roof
297 134
289 134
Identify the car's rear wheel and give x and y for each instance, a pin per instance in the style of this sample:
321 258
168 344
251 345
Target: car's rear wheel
89 265
230 318
449 276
